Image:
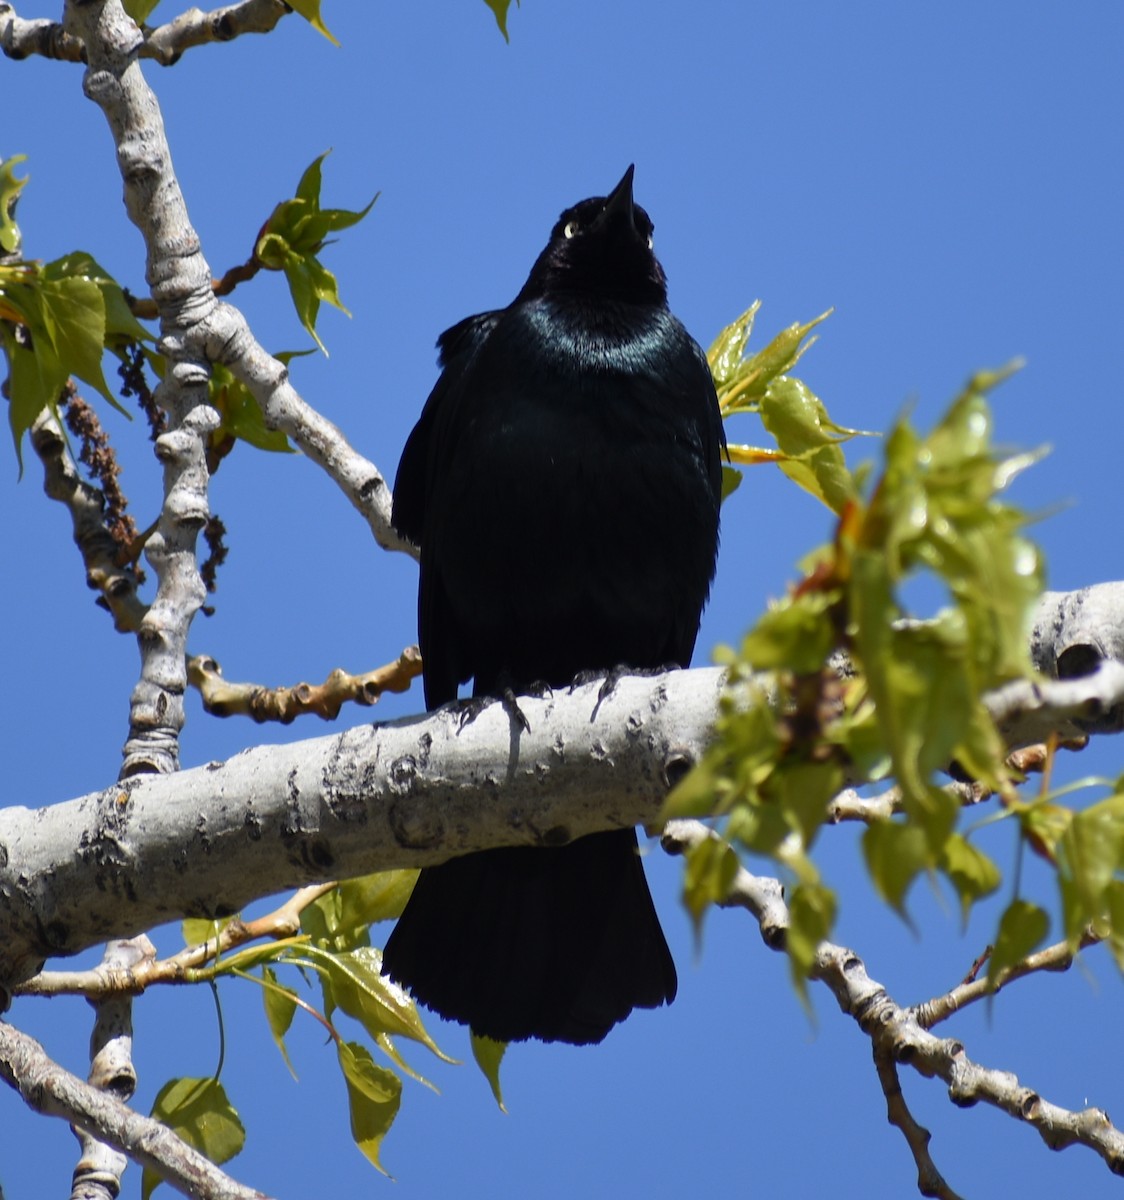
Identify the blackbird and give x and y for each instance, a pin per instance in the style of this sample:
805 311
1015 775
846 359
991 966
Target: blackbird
563 484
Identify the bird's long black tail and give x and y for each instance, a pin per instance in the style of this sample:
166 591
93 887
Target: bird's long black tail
558 944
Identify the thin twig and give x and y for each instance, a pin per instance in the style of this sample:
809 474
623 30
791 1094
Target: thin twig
284 704
110 978
930 1182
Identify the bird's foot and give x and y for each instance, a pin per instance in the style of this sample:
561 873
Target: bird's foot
616 674
469 710
511 706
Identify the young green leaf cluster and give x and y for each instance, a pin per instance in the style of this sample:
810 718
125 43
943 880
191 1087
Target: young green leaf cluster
292 239
842 682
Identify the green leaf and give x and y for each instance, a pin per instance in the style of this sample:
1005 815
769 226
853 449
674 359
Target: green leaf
339 920
727 349
120 324
293 237
360 989
896 854
310 10
499 11
1022 928
489 1054
1091 852
10 188
65 316
374 1095
35 382
809 441
199 1112
795 635
731 481
241 414
970 871
373 898
711 866
1114 920
386 1044
742 381
811 918
280 1006
202 929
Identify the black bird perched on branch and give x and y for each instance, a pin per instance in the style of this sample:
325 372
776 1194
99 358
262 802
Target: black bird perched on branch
563 484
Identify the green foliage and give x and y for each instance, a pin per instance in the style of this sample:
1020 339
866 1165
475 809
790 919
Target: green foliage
280 1008
241 414
200 1113
489 1054
292 239
58 319
310 10
334 946
10 188
792 731
499 11
1022 928
374 1095
808 441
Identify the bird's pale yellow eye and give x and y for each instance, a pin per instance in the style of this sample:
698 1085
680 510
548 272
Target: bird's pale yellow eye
649 241
570 229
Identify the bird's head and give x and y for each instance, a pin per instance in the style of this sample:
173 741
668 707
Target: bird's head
601 246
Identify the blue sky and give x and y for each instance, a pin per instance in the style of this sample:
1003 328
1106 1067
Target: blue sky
948 178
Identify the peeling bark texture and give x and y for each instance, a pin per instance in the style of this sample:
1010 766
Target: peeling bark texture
403 794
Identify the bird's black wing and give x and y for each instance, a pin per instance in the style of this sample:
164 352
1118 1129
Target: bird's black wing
456 348
422 464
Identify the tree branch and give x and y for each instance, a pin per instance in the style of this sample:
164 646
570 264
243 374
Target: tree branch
112 978
403 794
407 793
181 284
100 1166
930 1182
284 704
895 1031
116 585
167 42
1058 957
53 1091
20 38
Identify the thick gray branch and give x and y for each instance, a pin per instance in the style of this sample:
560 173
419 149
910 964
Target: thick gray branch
403 794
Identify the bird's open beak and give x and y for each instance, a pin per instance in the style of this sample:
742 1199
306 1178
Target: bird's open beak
618 203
